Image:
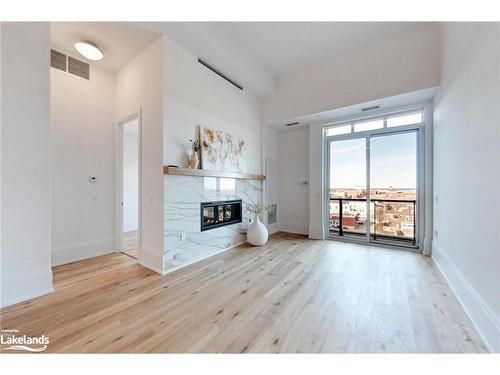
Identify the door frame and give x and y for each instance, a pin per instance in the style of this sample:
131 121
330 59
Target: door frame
420 130
119 179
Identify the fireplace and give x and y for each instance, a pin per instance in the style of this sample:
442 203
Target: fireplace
219 214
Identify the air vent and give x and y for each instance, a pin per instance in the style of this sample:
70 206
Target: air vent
271 214
78 68
292 123
370 108
208 66
57 60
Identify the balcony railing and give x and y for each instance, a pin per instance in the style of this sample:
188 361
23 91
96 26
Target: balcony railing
390 219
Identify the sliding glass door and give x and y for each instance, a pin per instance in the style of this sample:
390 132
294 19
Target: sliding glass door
348 209
393 187
373 181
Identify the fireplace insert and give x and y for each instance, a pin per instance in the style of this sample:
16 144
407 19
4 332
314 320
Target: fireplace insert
219 214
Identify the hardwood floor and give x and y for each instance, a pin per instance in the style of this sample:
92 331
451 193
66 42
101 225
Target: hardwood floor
293 295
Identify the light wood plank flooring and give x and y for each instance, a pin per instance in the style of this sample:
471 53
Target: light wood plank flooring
293 295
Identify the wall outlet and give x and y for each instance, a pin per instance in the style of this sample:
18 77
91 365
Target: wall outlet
182 237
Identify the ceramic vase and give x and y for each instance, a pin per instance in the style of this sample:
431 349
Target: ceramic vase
257 232
193 161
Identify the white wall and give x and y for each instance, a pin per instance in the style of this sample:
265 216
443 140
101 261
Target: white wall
139 86
403 63
131 175
25 171
293 208
271 167
82 145
316 182
466 243
196 96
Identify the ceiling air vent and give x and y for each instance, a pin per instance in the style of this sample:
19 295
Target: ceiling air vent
292 123
208 66
78 68
57 60
370 108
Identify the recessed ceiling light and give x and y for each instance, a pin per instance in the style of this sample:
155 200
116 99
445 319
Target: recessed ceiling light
89 50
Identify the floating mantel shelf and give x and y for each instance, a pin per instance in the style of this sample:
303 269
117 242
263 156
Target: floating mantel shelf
205 173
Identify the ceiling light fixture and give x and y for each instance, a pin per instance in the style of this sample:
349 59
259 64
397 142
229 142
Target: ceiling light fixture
89 50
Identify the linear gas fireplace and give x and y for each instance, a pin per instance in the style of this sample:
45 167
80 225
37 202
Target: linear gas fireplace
219 214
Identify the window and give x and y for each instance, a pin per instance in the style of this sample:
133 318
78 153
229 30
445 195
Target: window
368 125
392 120
338 130
414 118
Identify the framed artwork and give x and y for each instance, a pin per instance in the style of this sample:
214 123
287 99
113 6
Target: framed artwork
220 151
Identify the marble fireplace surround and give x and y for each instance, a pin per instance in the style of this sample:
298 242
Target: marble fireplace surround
184 242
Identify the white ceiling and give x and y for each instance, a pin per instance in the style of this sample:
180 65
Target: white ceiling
254 54
120 42
287 47
340 114
212 42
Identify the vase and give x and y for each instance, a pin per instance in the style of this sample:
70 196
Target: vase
193 161
257 232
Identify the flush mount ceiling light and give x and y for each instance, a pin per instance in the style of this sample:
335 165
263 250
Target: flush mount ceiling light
89 50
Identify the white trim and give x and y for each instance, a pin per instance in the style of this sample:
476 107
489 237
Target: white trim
206 257
294 228
315 234
152 259
482 316
118 216
26 286
82 250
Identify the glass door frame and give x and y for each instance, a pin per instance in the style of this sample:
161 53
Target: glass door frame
367 135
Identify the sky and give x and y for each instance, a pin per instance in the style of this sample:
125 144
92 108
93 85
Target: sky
392 162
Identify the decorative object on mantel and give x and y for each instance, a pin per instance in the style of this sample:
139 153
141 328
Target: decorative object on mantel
257 232
221 151
193 159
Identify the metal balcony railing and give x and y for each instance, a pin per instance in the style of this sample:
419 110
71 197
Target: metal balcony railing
376 219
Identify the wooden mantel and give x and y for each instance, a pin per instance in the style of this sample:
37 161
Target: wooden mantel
206 173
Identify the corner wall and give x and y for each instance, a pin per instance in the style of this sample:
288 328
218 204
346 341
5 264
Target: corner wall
293 208
25 162
271 167
466 244
139 88
82 145
196 96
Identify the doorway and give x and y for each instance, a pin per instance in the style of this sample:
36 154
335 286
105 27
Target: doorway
375 179
130 172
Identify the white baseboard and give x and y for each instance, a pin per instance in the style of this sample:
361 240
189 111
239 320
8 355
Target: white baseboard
26 286
152 259
294 228
482 316
316 233
272 228
82 250
206 257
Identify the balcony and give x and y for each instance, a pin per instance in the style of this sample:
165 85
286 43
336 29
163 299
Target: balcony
392 221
